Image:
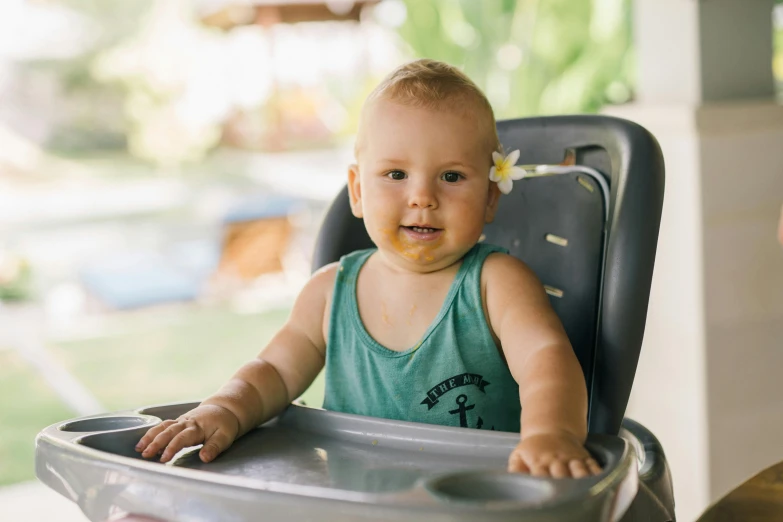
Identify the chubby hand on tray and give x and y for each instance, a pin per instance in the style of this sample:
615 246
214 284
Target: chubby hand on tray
214 426
260 390
557 455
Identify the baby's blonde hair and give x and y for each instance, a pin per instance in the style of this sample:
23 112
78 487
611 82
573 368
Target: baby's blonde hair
431 84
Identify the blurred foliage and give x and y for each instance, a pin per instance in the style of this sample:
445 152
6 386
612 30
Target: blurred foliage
531 56
92 110
157 68
16 278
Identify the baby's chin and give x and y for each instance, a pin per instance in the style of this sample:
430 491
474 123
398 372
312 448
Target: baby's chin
421 261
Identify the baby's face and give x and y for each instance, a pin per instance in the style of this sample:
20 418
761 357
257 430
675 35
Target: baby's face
422 183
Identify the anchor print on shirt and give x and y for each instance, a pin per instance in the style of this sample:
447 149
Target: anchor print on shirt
462 412
463 379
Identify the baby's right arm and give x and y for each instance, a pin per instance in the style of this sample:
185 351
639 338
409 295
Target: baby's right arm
261 389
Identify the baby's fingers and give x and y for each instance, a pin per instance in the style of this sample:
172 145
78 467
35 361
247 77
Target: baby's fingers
558 469
190 436
216 444
516 464
162 440
540 469
584 467
593 466
152 433
578 468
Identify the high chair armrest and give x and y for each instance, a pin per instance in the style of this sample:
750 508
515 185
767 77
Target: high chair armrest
655 500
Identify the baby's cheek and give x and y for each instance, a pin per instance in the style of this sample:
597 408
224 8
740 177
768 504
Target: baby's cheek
380 214
378 232
473 225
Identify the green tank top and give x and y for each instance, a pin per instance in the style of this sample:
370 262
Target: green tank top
454 376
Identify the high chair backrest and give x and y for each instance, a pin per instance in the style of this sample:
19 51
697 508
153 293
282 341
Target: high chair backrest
587 224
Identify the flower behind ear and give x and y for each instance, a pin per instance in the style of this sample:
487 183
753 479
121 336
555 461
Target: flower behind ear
503 172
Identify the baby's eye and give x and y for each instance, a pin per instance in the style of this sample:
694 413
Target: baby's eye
451 177
396 175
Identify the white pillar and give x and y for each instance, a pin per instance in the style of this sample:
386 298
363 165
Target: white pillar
709 382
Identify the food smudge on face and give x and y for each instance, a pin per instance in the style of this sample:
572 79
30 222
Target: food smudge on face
409 249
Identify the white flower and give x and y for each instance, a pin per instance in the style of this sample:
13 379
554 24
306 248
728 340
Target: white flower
504 172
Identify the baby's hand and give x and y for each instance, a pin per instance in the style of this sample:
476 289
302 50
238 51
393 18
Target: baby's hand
552 455
213 425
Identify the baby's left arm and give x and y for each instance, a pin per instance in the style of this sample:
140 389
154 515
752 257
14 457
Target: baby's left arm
551 384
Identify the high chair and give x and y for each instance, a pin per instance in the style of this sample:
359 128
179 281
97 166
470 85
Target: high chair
586 221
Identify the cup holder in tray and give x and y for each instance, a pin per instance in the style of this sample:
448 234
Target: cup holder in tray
484 487
117 434
104 424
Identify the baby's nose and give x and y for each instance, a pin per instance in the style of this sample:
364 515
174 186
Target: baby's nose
423 195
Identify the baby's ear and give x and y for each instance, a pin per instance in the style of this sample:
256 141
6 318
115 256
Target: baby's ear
493 198
355 190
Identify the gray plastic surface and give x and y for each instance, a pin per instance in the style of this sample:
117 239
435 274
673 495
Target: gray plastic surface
655 500
311 464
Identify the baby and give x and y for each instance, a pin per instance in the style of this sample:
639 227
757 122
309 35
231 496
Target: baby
432 326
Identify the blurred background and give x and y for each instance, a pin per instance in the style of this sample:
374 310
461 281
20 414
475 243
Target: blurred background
164 167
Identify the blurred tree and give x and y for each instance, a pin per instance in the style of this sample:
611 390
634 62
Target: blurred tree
51 98
89 115
169 70
530 56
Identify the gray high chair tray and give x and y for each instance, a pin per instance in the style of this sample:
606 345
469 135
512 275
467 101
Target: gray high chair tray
311 464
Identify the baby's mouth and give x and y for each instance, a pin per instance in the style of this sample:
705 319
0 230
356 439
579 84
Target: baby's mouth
423 230
422 233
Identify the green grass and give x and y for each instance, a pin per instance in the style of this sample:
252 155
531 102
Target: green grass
27 405
186 358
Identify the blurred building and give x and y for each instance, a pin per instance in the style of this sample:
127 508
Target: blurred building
708 381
